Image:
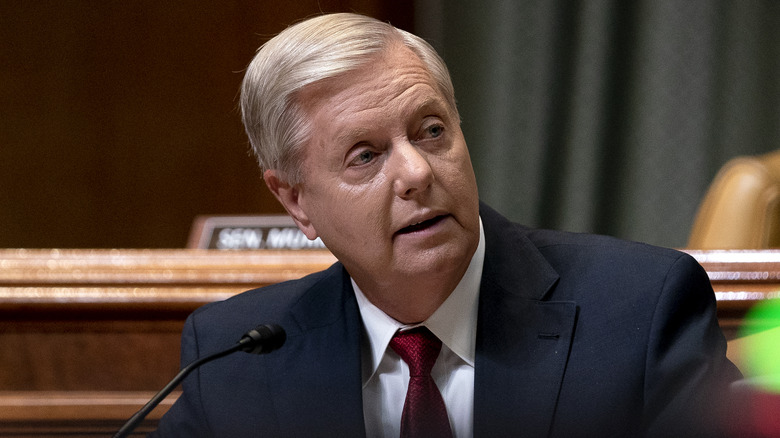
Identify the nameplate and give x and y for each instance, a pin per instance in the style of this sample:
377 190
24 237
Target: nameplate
249 233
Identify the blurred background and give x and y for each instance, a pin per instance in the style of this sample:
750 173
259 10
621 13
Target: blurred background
118 119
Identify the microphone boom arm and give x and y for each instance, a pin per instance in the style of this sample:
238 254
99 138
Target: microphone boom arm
261 340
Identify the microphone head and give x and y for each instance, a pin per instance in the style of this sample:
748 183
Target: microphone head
263 339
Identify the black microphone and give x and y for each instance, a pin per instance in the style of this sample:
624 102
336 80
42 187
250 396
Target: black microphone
260 340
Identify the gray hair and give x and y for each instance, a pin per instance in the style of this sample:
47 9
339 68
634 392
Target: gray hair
307 52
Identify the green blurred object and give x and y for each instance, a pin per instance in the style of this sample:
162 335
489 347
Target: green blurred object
762 345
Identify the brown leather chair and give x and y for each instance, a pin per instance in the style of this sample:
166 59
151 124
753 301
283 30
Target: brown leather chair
741 210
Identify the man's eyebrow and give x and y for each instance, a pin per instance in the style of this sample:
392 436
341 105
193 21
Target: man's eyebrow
437 106
434 104
431 103
351 136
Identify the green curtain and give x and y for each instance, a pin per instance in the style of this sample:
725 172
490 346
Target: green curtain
609 116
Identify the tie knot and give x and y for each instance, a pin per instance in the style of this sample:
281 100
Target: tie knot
419 348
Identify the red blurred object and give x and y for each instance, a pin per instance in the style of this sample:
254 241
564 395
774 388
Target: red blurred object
759 413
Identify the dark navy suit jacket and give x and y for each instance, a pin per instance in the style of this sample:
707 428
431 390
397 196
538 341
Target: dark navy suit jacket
578 335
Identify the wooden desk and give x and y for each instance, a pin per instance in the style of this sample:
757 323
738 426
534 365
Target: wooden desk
740 278
87 336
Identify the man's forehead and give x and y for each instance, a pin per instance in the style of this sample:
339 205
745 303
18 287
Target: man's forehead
374 85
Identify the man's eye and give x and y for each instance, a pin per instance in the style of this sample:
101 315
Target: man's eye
434 131
365 157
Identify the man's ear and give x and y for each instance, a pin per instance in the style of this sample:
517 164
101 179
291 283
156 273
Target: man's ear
288 196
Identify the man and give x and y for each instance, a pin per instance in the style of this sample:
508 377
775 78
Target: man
541 333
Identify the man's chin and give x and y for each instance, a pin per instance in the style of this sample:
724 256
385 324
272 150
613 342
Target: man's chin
441 260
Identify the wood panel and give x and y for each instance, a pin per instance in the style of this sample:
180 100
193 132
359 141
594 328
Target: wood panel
75 413
118 120
87 336
740 278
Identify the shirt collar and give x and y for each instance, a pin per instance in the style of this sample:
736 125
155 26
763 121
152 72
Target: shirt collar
460 306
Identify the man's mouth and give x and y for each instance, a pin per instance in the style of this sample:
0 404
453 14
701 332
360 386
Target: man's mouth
420 225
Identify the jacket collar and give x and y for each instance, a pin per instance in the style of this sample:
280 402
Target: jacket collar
522 339
316 385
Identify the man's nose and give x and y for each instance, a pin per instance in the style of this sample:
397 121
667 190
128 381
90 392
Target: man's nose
413 172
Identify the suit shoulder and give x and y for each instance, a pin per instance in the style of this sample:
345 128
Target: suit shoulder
595 245
270 303
581 253
589 255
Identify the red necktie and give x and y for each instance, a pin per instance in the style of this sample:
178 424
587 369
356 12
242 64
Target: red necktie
424 414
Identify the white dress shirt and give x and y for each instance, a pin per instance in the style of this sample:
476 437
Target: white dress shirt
386 375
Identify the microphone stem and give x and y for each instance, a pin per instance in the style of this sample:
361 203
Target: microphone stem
139 416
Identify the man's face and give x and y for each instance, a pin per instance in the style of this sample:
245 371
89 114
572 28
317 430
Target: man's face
388 182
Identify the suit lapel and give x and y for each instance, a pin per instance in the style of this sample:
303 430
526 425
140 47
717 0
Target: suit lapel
316 386
522 341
